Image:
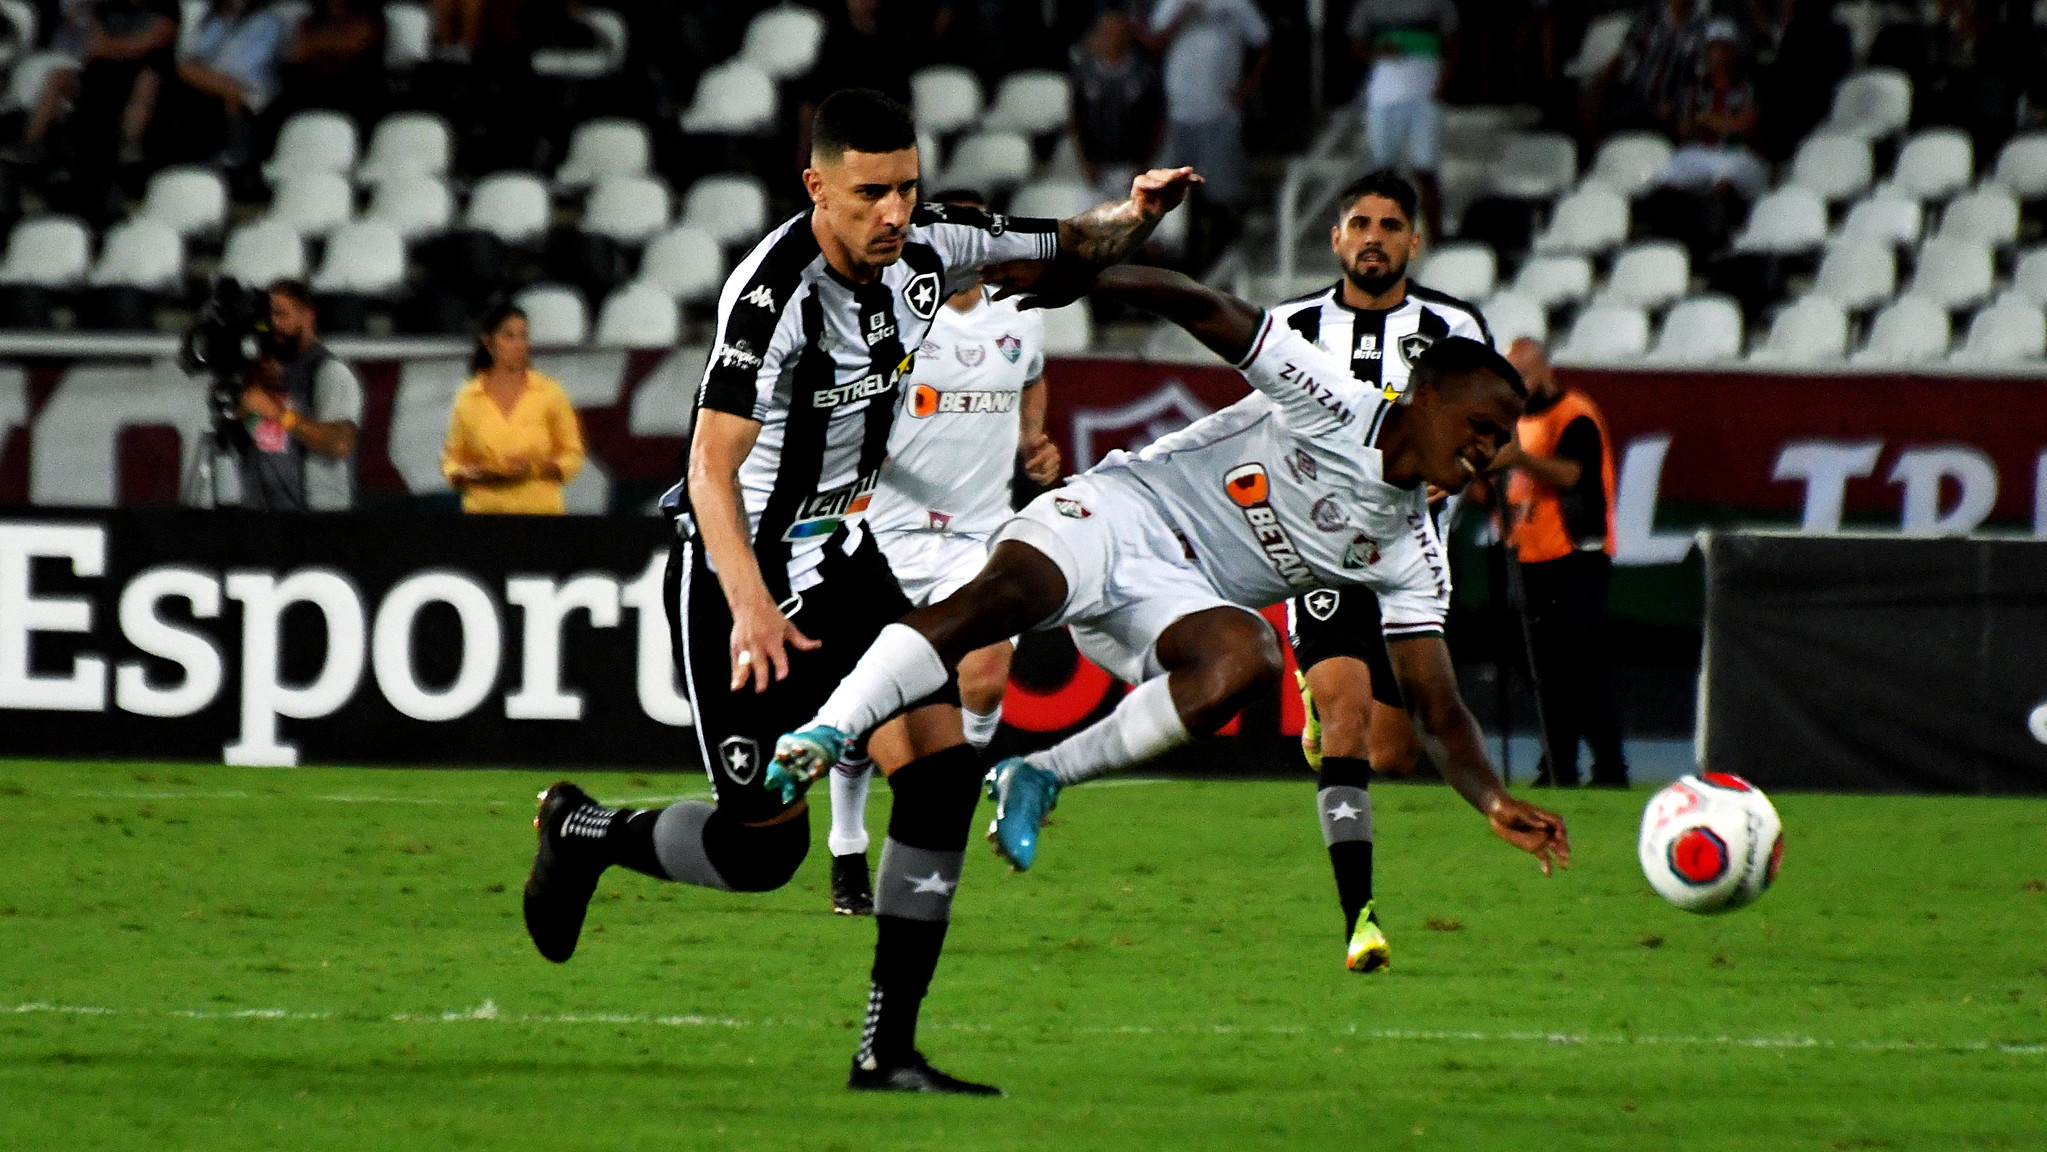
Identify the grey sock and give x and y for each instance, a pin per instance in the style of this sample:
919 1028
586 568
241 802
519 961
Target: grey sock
916 883
1346 813
679 844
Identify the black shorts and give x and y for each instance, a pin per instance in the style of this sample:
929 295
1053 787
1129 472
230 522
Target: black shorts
1342 622
736 731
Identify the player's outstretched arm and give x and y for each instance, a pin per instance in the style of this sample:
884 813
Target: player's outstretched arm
1223 323
759 629
1108 233
1429 680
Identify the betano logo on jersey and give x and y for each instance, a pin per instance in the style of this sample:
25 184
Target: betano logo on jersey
1251 490
821 515
928 401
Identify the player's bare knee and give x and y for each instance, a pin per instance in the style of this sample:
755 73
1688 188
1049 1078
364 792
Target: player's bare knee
1234 664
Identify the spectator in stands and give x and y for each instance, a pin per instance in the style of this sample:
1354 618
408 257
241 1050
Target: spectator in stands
872 44
228 77
1204 43
305 408
1644 86
513 439
1717 121
125 48
1411 46
1118 114
337 61
1798 86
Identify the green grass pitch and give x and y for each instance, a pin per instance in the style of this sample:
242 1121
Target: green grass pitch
195 957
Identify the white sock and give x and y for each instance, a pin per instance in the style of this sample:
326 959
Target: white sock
1144 725
849 807
980 726
899 668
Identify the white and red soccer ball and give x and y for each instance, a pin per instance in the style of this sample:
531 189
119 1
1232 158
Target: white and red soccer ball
1711 842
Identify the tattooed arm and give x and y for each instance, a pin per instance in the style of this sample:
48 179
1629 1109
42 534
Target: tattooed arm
1109 233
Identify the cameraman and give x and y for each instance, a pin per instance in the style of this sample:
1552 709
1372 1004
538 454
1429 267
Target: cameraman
305 405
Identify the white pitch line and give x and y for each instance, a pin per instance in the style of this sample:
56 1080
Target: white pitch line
488 1012
639 801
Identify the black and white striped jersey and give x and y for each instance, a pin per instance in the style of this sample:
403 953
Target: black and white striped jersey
816 359
1382 344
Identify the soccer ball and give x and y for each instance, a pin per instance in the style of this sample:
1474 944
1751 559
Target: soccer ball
1711 842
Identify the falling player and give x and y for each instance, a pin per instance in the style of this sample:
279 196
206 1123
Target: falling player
1158 561
976 403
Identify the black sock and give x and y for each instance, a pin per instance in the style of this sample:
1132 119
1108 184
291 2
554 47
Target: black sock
1352 862
1345 809
631 842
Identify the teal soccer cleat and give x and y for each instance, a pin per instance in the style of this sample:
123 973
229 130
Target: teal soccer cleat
801 758
1023 794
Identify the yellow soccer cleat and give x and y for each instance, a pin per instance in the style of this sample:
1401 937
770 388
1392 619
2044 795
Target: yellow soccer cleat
1311 726
1369 951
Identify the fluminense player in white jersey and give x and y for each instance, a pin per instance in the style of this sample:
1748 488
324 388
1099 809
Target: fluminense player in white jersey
1158 562
974 405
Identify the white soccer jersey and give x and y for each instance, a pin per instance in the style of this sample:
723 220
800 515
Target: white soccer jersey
1381 344
1283 492
953 452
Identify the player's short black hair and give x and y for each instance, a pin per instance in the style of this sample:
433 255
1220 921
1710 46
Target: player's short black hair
968 196
1381 182
1462 356
860 120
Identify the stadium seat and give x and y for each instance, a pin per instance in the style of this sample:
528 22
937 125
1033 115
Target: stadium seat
1871 104
1953 273
1511 316
191 200
1606 332
1630 161
511 206
1934 165
315 141
1700 330
406 144
408 36
990 161
1604 38
419 207
555 316
1986 213
1856 273
2022 166
1069 330
47 252
1053 199
31 73
639 315
1554 280
26 23
1884 217
1834 166
366 258
735 98
783 41
1031 103
1534 166
1592 221
191 15
1466 271
945 98
142 253
1647 275
1811 330
1786 221
2010 332
604 147
684 262
314 204
264 251
628 210
1910 331
2029 276
732 207
605 56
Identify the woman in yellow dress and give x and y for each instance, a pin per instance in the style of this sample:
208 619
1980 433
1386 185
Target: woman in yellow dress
513 438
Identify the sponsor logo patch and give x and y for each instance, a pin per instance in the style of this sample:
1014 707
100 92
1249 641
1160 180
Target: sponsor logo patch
928 401
1250 489
880 326
821 515
1322 603
1321 393
738 354
1368 347
862 389
1010 347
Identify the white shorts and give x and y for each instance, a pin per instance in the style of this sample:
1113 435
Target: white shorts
1405 133
930 566
1127 573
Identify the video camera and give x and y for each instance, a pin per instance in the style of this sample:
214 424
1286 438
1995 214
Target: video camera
231 334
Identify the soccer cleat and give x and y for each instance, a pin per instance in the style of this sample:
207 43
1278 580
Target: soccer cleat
1369 951
802 757
564 875
852 891
1023 794
1311 724
914 1075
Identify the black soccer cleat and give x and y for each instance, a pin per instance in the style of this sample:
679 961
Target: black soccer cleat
564 875
913 1075
852 890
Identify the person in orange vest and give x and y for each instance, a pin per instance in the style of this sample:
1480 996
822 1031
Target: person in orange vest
1560 506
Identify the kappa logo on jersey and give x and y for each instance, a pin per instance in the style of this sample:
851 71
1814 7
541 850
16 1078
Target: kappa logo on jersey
1071 508
759 297
1329 515
970 355
1322 603
1302 465
821 515
871 385
1361 552
1010 347
1251 490
741 756
928 401
880 326
1413 345
1368 347
921 293
738 354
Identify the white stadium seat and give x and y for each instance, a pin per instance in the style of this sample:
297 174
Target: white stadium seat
419 207
25 84
2022 165
627 209
512 206
1464 270
2011 332
407 144
1606 332
47 252
1053 199
1856 273
1884 217
1811 330
989 161
1647 275
141 253
2029 277
1512 316
314 204
1592 220
1834 166
1872 104
27 30
1911 330
1553 280
1069 330
1700 330
1934 164
684 262
1535 165
1604 38
1987 213
263 252
191 200
732 207
639 315
735 98
604 147
945 98
1953 273
313 142
367 258
783 41
555 316
1787 220
604 57
1031 102
408 36
1631 161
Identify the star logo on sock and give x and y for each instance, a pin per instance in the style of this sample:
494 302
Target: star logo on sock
1343 811
933 883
